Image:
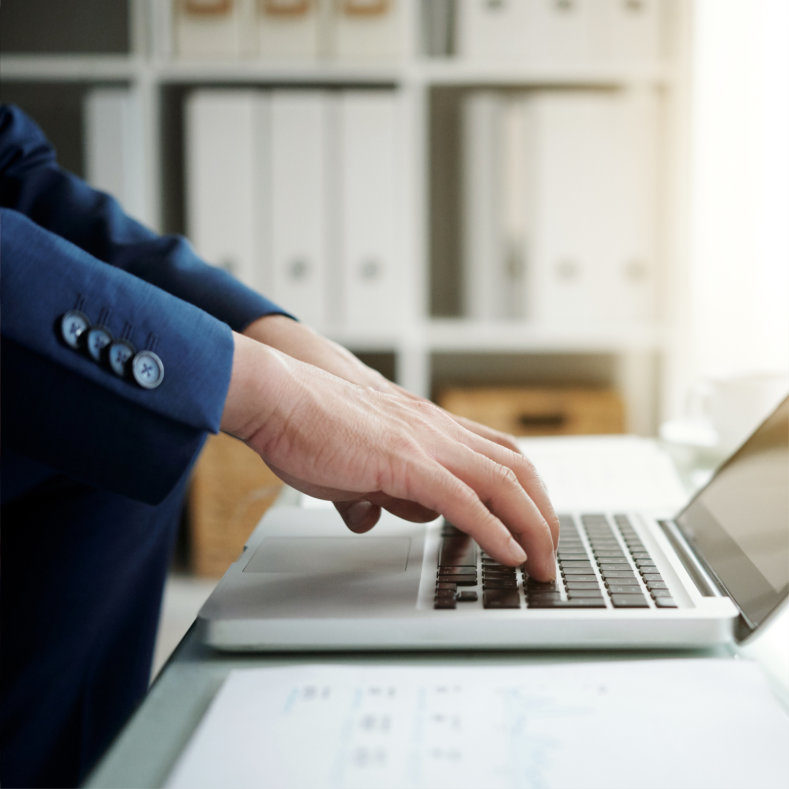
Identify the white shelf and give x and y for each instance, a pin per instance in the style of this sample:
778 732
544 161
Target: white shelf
449 71
296 72
457 335
152 69
69 68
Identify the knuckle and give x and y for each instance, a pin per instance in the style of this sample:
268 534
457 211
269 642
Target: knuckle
505 475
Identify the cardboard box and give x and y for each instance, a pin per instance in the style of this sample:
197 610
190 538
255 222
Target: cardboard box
539 411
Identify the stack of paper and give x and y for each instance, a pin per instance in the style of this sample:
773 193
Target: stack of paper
613 725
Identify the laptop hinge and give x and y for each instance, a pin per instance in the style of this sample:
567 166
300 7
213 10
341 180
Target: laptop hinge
705 582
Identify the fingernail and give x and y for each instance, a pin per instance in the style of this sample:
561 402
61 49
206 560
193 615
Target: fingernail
516 554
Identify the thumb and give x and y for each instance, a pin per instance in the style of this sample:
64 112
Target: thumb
360 516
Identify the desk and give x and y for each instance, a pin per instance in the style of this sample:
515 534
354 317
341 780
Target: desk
148 747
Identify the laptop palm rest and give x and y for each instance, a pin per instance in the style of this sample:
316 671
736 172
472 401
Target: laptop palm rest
329 555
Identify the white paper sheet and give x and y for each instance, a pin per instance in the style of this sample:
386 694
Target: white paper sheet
646 723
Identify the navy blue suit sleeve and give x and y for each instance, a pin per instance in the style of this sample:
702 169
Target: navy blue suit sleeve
32 183
72 414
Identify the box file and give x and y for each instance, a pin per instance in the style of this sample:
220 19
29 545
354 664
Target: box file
491 30
629 31
226 180
370 242
114 154
495 213
594 200
299 240
289 29
366 29
213 28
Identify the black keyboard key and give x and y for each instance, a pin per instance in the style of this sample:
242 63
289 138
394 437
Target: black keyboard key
458 551
466 579
466 597
629 601
544 596
574 594
499 585
548 586
576 570
448 602
580 602
445 586
501 598
571 583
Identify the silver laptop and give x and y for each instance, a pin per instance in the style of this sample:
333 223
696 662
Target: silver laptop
712 573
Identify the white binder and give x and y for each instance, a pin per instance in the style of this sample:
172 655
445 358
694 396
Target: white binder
629 31
114 155
492 30
366 29
370 243
568 200
213 28
225 180
561 31
289 29
495 214
593 237
299 231
632 269
482 242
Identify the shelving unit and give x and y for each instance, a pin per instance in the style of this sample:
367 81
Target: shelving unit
641 357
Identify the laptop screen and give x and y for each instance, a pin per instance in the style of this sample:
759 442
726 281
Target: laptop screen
739 522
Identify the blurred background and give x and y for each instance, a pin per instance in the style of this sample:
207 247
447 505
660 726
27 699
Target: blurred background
554 216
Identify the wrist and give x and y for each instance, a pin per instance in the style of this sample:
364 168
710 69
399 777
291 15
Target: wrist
249 394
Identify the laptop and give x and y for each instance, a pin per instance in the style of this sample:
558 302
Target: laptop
709 574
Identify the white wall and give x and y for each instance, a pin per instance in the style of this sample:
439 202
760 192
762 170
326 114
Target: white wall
739 221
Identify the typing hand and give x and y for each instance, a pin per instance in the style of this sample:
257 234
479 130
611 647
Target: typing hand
365 449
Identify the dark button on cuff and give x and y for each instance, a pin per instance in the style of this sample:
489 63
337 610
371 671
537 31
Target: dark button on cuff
72 326
147 369
118 355
96 340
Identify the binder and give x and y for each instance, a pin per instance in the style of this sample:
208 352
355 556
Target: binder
569 202
213 28
370 246
495 213
288 29
561 32
493 30
594 209
114 154
629 31
633 137
226 180
299 240
366 29
482 242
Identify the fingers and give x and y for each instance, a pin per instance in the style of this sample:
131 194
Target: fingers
496 436
527 476
437 488
501 491
359 516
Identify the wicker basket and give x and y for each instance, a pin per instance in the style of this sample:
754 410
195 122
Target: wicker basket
231 489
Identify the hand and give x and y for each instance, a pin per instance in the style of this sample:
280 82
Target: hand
301 342
365 449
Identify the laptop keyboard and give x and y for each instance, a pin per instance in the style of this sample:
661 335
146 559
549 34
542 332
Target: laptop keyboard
601 563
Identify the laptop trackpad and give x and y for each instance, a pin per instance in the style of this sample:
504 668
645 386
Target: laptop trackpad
330 555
